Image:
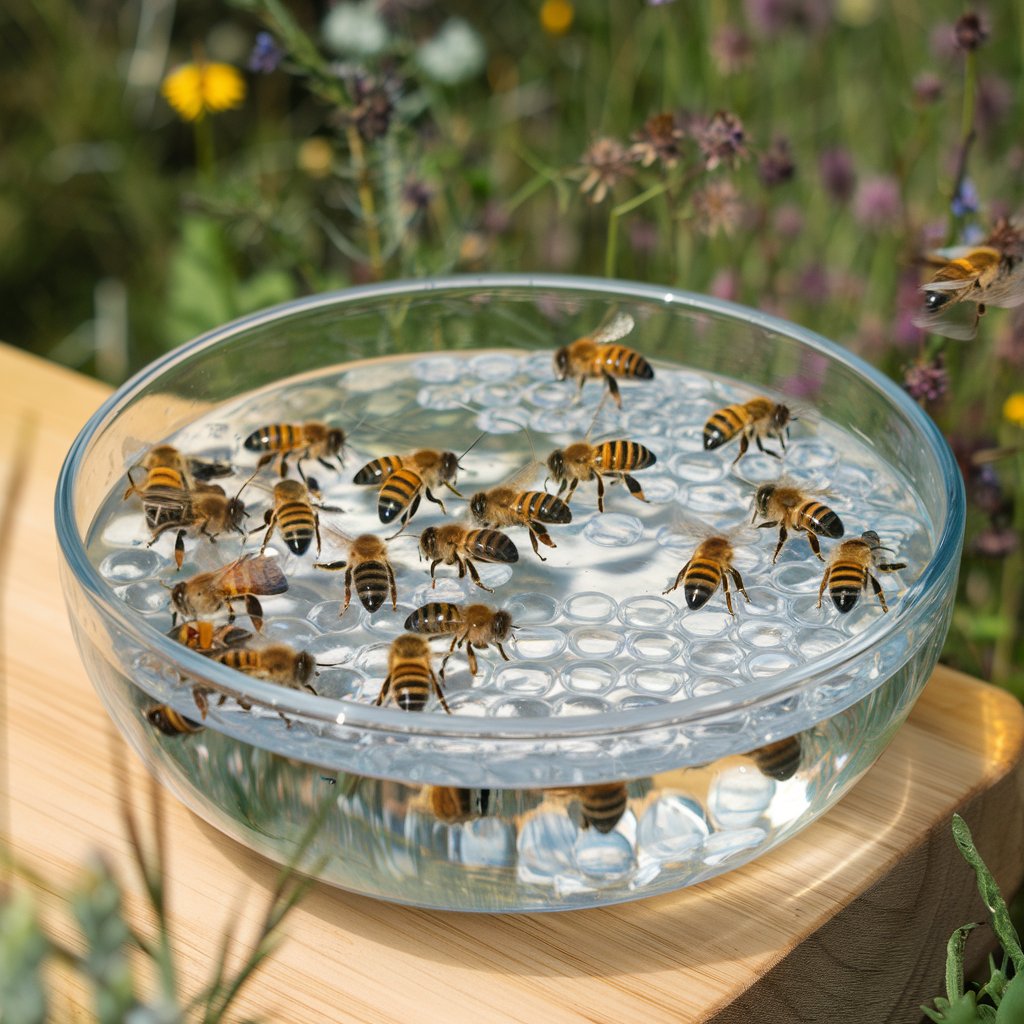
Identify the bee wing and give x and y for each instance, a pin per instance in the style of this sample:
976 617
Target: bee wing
172 499
962 252
339 537
260 576
618 327
957 320
524 477
207 469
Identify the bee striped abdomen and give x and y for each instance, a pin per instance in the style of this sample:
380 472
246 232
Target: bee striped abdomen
700 581
378 471
616 456
297 525
846 581
544 507
243 660
169 722
399 489
410 684
820 519
625 362
779 760
492 546
277 437
724 425
434 618
602 807
372 582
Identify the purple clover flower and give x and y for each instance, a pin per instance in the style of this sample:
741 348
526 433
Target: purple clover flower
265 55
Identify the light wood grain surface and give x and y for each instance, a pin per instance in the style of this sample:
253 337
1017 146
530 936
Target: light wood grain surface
851 915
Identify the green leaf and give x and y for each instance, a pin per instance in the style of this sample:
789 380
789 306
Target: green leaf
955 961
1011 1008
23 947
990 893
961 1011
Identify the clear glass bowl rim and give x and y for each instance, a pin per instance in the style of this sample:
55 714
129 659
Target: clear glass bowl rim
914 605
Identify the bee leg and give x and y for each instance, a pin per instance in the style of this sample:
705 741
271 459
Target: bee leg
269 519
440 694
613 389
436 501
282 467
877 587
433 565
501 651
679 578
316 531
348 593
766 451
179 548
331 566
892 566
471 658
744 445
634 488
783 534
728 595
255 611
326 464
475 576
815 546
824 584
132 489
738 580
600 493
384 690
452 489
538 532
391 586
199 696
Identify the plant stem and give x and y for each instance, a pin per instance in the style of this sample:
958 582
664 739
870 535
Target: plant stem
966 139
611 248
366 201
205 156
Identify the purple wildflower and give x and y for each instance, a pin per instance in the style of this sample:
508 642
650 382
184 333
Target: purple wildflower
731 50
721 139
788 221
969 32
926 382
775 166
265 55
942 42
985 488
658 139
837 174
877 203
725 285
996 541
928 88
908 304
814 284
966 199
605 163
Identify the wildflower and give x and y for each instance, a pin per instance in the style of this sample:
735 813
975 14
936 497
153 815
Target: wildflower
969 31
927 88
1013 409
355 30
604 165
721 139
725 285
942 42
265 55
556 17
926 382
966 199
986 490
417 196
197 89
658 140
315 157
775 166
731 50
788 221
877 203
455 54
837 174
996 541
373 105
772 17
718 207
814 285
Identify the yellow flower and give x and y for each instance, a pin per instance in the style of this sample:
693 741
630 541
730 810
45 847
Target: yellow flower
1013 409
195 90
315 157
556 17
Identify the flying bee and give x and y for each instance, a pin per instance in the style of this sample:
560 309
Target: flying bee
410 675
312 440
455 544
849 571
472 625
294 515
602 806
509 505
971 278
582 462
369 569
454 805
596 357
779 760
276 663
404 478
241 580
165 719
710 566
206 511
760 419
788 508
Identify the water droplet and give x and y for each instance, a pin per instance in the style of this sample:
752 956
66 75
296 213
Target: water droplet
520 707
129 565
588 677
663 680
672 828
524 679
759 634
647 612
538 643
551 394
813 454
697 468
295 632
532 609
437 369
504 420
488 843
589 606
614 529
725 845
147 597
604 857
494 366
590 642
442 396
797 577
545 847
737 797
653 647
763 665
704 622
579 705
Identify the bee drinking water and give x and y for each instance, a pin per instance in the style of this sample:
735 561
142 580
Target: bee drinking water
295 516
788 508
404 478
471 625
759 419
241 580
456 544
411 677
710 566
368 568
596 357
849 571
311 440
582 462
205 511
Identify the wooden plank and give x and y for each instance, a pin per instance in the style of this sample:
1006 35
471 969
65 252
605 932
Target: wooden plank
853 911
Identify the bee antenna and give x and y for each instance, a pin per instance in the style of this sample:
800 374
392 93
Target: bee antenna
246 484
479 438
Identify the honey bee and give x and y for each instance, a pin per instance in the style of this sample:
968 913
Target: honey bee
410 675
472 625
596 357
310 440
760 419
403 478
583 462
241 580
205 511
277 663
169 722
788 508
205 636
710 565
849 571
167 480
779 760
602 806
295 516
509 505
369 568
455 544
971 278
454 805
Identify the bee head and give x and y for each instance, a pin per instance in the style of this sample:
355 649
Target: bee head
335 440
762 497
304 667
780 417
562 363
428 541
179 598
934 301
502 623
556 463
236 513
449 465
478 504
871 539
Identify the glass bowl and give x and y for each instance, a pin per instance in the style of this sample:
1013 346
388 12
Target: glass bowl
599 800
